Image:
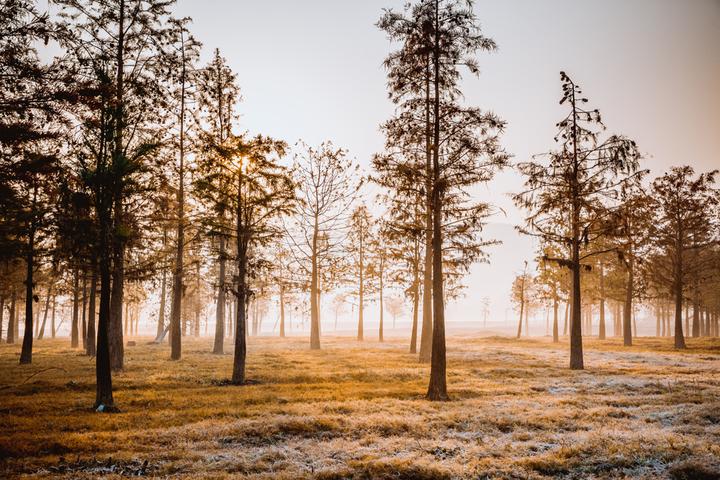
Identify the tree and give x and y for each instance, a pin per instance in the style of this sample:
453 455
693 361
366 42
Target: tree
327 186
573 188
31 98
123 43
218 94
186 53
361 224
682 228
519 290
630 225
256 189
461 144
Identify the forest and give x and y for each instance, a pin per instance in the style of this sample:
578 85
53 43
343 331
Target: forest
180 297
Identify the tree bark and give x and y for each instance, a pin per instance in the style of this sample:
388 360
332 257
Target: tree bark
282 310
437 390
556 337
627 310
416 305
90 342
314 304
41 333
176 305
218 346
361 292
426 334
382 313
163 293
26 352
601 326
678 283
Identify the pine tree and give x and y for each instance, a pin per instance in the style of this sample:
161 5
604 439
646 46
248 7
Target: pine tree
571 188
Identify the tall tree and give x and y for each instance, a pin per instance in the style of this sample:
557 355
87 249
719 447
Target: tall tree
574 188
186 53
361 224
217 94
327 186
256 189
682 227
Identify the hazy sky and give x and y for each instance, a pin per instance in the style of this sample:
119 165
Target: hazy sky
312 69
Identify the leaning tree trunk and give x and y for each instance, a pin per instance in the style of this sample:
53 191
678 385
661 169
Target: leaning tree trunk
41 333
522 309
11 318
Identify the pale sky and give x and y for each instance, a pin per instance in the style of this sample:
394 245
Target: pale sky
312 70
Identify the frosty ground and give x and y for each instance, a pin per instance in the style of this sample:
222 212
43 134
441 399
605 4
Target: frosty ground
356 410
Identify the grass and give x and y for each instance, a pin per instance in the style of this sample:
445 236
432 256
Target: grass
356 410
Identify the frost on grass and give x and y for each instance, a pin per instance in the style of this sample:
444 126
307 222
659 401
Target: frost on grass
357 411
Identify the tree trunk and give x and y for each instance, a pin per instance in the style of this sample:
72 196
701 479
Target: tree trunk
238 376
218 346
52 320
601 326
176 305
522 310
382 313
416 305
26 352
696 311
627 310
90 341
2 314
83 330
361 293
678 272
437 390
104 396
556 338
426 334
163 292
41 333
282 310
314 307
115 324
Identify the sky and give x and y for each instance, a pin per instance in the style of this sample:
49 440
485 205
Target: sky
312 70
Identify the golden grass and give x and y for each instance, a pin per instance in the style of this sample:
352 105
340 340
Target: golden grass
356 410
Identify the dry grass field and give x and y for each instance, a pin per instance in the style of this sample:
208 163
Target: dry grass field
356 410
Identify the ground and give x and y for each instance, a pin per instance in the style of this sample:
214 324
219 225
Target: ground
356 410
